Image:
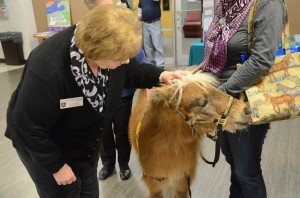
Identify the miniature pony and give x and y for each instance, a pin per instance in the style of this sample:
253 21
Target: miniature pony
165 130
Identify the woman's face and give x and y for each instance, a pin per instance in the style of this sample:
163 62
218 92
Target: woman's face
110 64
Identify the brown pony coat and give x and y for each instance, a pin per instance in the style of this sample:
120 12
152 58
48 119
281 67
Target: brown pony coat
166 148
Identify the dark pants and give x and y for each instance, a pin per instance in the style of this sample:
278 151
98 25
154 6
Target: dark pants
117 138
85 186
242 151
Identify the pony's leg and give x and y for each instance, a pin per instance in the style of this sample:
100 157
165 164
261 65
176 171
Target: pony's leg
289 105
287 70
155 187
274 107
293 103
181 188
181 194
156 194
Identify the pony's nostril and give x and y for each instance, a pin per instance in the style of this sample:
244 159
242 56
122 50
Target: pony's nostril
247 110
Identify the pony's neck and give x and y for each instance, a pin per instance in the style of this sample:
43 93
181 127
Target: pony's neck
168 122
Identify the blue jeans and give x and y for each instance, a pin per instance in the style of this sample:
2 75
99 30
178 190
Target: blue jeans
242 151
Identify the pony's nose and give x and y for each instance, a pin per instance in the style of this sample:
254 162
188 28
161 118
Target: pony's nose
247 110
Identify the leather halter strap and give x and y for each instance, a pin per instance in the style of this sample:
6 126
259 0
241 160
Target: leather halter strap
220 122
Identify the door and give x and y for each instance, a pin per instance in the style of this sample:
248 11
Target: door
167 26
167 23
188 28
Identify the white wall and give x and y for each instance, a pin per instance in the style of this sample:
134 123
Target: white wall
21 19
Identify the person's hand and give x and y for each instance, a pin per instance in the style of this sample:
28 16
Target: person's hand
167 77
150 92
64 176
192 68
140 24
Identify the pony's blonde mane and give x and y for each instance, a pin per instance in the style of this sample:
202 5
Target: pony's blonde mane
202 80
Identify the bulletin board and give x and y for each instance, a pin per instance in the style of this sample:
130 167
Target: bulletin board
77 11
3 10
58 15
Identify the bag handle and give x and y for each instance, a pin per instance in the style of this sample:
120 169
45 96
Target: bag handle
286 36
285 33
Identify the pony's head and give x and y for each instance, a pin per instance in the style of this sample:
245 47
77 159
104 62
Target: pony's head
198 103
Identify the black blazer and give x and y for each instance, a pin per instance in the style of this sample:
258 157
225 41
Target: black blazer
53 136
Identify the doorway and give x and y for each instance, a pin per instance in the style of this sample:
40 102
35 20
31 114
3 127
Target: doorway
188 28
181 26
175 14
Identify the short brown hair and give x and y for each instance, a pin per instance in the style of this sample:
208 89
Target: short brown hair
108 32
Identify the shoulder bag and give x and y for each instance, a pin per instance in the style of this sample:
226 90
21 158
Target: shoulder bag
276 96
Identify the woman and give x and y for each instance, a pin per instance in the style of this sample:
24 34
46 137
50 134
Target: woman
67 95
114 141
226 40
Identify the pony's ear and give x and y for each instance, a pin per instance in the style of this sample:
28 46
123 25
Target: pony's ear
158 97
162 95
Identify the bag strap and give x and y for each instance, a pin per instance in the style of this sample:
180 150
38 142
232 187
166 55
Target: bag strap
252 13
285 33
286 36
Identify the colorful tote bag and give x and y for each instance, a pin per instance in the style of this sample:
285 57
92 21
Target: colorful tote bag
277 95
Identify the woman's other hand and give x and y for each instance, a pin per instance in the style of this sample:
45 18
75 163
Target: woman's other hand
167 76
64 176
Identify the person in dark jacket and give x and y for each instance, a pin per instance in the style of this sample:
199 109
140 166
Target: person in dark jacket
116 139
67 95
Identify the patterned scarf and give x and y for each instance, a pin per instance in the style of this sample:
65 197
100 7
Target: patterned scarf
93 88
229 16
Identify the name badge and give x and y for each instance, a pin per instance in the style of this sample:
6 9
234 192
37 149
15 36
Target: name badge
71 102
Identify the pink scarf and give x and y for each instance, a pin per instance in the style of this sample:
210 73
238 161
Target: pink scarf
229 16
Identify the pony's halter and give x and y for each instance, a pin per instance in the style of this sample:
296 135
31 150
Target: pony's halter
220 122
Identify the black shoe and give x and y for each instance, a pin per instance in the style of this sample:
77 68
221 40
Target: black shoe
105 172
125 173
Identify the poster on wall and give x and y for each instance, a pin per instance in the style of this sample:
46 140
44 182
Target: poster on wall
3 11
208 3
58 14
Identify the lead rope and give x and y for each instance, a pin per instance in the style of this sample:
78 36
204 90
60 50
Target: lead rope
188 179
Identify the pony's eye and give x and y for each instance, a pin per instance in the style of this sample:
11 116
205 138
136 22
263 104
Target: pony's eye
203 103
198 105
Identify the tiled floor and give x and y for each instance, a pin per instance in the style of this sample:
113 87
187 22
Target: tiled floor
6 68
